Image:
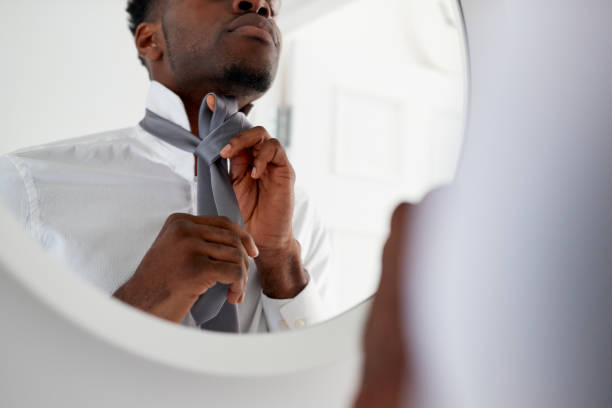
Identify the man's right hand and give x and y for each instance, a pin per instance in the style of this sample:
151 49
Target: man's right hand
190 255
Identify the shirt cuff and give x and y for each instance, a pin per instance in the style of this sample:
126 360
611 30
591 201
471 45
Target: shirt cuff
306 309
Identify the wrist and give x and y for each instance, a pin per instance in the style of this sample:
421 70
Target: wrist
281 271
155 299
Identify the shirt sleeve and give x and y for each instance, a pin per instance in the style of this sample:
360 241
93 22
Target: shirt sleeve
13 194
316 302
305 309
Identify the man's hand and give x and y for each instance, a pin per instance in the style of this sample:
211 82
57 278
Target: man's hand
190 255
263 181
385 370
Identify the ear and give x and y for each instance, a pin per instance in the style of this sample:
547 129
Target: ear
149 41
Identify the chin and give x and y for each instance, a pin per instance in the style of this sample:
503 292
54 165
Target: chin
248 78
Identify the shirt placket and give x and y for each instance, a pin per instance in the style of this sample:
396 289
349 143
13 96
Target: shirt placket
194 195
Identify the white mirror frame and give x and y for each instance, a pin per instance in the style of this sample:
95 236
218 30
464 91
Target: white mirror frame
46 310
59 293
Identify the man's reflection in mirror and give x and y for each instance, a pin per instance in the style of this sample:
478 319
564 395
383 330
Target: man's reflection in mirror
120 208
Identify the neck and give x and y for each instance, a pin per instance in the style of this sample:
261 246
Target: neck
193 99
194 103
192 107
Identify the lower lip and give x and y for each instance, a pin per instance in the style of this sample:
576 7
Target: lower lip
253 31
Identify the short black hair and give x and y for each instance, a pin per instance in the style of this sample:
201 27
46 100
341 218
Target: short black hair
138 12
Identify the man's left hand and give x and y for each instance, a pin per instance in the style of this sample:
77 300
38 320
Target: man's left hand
264 181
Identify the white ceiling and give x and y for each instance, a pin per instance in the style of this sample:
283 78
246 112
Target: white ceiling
295 13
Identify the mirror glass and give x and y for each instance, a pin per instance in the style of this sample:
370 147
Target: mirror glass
369 103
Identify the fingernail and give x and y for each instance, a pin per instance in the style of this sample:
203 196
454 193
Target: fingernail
210 100
254 172
225 151
256 252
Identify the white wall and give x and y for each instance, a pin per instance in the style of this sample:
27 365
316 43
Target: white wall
69 68
377 92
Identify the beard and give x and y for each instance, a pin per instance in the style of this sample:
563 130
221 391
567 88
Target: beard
237 77
234 78
240 77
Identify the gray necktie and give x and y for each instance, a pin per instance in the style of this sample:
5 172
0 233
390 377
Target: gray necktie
215 192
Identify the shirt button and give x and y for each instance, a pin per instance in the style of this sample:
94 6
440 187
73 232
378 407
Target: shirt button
300 323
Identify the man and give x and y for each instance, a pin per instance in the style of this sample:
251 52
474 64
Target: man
99 202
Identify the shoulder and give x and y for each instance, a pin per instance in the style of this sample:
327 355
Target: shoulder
13 193
107 152
24 171
10 178
76 145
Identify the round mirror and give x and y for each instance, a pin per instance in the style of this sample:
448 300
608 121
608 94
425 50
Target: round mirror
368 103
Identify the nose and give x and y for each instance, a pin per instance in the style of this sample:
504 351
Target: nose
261 7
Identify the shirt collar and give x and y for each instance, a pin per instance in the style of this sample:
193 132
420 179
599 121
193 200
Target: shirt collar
165 103
168 105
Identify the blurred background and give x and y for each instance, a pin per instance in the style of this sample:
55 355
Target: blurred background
369 101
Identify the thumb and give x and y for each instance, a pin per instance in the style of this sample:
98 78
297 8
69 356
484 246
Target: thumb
211 102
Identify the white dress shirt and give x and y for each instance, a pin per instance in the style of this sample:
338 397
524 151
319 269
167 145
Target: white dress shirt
98 202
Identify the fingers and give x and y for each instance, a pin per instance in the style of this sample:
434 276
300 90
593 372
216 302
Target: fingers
246 238
397 241
215 223
270 152
211 102
221 252
265 150
256 137
232 275
221 236
221 247
228 247
235 297
400 217
245 140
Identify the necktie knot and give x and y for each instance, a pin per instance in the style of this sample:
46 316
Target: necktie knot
215 140
219 127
